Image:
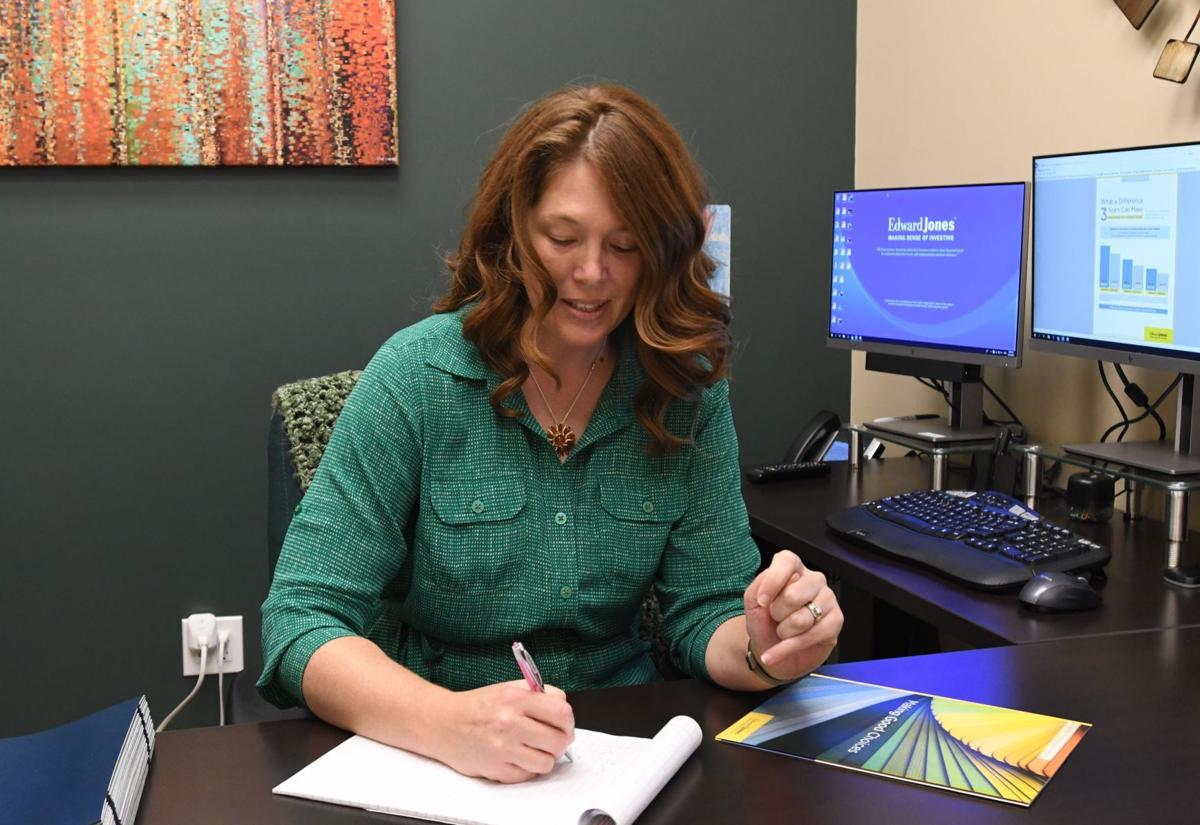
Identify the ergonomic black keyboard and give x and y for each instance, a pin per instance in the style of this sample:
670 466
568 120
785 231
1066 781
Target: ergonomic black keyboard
987 540
783 472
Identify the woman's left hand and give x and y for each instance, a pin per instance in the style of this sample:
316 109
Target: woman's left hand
792 616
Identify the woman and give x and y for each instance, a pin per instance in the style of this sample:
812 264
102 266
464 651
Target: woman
530 461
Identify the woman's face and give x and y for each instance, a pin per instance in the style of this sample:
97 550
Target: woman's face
591 256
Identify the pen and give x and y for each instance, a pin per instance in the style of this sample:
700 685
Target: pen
533 677
917 417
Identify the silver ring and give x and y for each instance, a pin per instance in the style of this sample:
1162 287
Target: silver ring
816 611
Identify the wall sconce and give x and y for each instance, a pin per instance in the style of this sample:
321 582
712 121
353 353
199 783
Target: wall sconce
1177 58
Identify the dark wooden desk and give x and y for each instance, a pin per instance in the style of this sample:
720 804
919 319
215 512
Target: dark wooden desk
1135 598
1137 764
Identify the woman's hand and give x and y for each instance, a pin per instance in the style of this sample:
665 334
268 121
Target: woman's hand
505 732
792 617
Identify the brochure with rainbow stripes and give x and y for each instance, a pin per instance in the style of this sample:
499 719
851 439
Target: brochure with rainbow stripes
982 750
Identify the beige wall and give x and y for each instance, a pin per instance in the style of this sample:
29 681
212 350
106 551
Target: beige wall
960 91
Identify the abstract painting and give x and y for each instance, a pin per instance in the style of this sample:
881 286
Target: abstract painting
197 82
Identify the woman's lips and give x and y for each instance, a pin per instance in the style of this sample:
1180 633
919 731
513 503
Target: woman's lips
585 309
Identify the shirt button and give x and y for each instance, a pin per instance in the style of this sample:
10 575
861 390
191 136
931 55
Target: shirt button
565 592
560 518
648 506
477 506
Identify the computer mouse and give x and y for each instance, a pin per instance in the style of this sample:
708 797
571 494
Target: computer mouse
1059 593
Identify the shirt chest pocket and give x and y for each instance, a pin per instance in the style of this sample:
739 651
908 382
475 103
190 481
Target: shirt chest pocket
475 541
635 524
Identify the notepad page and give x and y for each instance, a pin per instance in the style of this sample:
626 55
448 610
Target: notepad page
367 774
618 772
640 780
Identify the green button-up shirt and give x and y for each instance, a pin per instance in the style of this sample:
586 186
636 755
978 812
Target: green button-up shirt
443 531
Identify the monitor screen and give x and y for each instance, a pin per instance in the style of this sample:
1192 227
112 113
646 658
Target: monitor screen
1116 255
933 272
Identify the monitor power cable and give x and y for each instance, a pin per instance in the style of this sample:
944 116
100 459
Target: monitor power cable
1154 405
936 386
1124 425
1138 396
1013 418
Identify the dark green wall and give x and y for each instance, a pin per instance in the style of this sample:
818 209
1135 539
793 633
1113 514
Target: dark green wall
146 315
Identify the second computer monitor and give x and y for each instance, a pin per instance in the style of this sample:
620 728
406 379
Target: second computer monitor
1116 255
1116 277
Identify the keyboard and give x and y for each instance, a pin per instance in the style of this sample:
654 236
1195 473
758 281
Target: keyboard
783 472
986 540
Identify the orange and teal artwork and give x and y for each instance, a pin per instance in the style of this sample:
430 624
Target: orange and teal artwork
983 750
197 83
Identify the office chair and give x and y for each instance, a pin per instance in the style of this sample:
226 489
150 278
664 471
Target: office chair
303 417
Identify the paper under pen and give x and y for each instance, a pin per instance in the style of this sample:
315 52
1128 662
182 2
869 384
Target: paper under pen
533 677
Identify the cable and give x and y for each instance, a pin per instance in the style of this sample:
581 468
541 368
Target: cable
222 640
1022 434
1015 418
936 386
939 387
1124 415
1051 473
200 627
1153 406
188 698
1138 396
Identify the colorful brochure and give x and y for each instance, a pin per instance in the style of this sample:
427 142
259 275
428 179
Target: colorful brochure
982 750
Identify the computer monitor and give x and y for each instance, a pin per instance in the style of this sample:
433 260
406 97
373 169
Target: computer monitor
1116 275
929 282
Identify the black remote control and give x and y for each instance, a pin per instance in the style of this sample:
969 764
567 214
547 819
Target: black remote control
784 472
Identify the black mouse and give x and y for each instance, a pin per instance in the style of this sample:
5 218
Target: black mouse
1059 593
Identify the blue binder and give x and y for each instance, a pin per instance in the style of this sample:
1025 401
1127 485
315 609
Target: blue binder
91 770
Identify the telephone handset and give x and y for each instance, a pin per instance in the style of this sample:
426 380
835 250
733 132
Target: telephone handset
805 457
814 438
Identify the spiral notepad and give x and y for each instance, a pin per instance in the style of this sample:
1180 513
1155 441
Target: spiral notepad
612 780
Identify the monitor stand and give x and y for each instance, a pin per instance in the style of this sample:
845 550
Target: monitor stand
966 402
1181 458
935 429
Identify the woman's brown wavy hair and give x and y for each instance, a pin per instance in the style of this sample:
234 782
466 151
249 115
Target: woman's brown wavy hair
681 327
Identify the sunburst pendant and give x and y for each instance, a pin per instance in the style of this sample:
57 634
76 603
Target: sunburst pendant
562 438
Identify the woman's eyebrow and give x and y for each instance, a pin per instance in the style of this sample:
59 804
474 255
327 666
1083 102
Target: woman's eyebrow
559 216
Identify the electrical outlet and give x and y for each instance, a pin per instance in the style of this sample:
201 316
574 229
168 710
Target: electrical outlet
232 663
